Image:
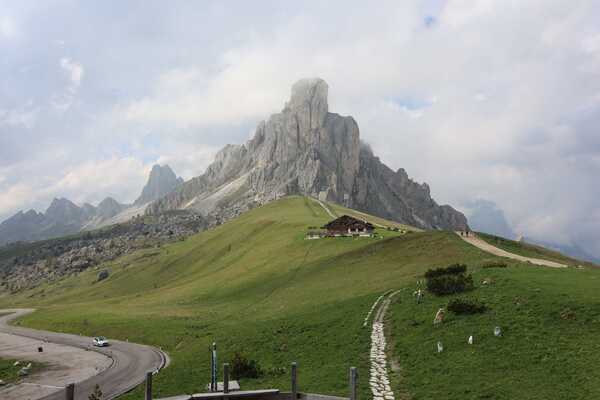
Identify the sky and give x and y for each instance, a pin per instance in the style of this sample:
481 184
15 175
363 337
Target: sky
495 101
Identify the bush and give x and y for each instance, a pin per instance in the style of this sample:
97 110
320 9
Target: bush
494 264
449 280
241 367
466 306
454 269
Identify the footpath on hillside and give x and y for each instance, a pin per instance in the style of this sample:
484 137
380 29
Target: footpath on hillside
327 210
485 246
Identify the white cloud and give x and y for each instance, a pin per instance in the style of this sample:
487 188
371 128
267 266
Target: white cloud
189 161
94 180
25 116
15 197
8 27
91 181
511 90
74 71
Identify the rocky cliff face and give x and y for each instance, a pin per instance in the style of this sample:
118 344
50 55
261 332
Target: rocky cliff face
162 180
307 150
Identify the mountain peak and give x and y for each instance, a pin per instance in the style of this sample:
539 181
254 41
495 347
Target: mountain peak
108 208
161 181
307 150
309 98
60 203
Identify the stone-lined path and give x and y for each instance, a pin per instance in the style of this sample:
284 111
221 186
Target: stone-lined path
379 380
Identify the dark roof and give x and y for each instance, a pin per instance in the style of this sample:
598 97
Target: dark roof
346 222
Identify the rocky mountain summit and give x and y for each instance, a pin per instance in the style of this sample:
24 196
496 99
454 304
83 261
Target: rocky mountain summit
63 217
307 150
162 180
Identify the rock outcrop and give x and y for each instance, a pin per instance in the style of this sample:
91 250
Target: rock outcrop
26 265
307 150
162 180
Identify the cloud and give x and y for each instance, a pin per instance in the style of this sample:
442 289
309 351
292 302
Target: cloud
494 100
90 181
25 116
15 196
191 98
74 71
8 27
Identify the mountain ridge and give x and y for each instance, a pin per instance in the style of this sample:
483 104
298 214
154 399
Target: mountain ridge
63 217
307 150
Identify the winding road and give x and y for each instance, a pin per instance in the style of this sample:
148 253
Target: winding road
118 368
485 246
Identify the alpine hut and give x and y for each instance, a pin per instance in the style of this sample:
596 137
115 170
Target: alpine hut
348 226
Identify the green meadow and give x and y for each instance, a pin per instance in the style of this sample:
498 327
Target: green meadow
549 348
256 286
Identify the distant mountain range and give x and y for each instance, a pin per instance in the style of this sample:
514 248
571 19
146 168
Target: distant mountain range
63 217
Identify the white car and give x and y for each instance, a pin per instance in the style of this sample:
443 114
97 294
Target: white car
100 341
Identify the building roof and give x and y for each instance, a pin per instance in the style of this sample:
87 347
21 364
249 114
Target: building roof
346 222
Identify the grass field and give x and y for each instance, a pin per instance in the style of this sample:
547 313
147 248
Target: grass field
255 285
549 349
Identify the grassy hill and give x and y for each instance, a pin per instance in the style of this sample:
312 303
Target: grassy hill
255 285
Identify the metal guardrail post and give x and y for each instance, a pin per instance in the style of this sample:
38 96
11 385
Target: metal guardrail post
353 383
148 385
226 378
294 381
213 368
70 392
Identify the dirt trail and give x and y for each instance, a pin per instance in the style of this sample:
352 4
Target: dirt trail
485 246
327 210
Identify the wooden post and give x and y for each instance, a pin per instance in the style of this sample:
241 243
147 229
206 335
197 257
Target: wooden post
70 391
148 385
226 378
353 382
294 381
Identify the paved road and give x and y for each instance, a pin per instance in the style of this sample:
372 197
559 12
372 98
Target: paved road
485 246
130 361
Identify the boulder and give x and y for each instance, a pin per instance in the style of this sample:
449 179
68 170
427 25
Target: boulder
102 275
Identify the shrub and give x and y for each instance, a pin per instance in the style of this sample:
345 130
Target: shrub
241 367
449 280
454 269
494 264
466 306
